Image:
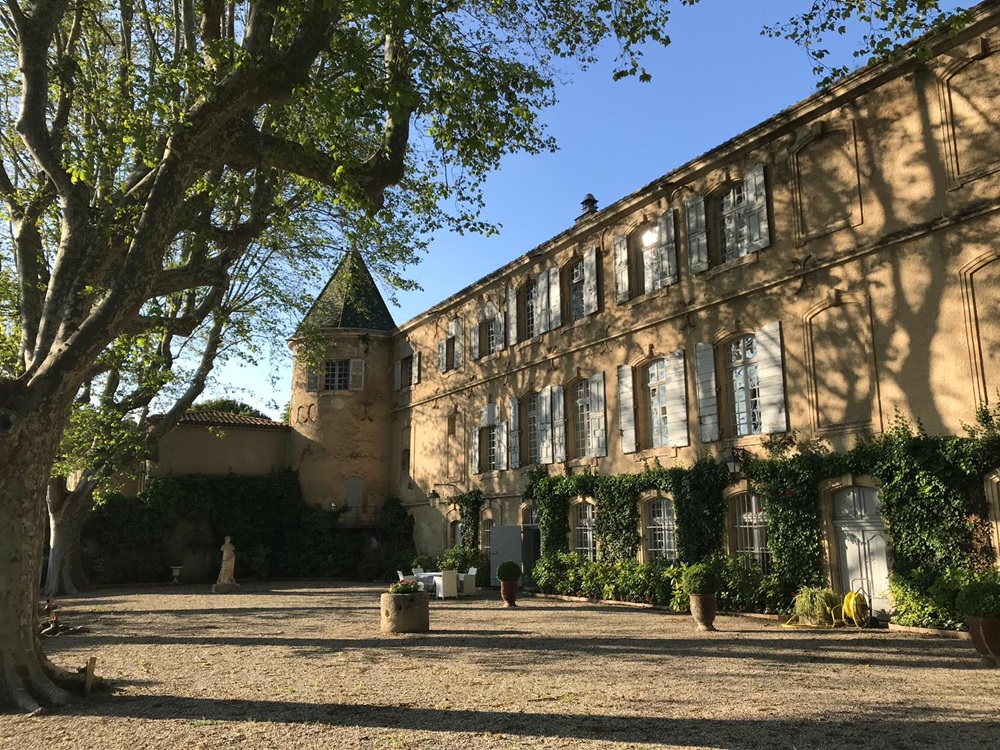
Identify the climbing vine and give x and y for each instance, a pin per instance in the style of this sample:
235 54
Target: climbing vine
469 504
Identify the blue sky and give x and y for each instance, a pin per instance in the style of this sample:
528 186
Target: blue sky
717 78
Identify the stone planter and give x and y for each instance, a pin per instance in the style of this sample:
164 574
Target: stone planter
508 592
985 635
703 610
405 613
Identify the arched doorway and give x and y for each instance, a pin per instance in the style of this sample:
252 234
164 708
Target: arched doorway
862 562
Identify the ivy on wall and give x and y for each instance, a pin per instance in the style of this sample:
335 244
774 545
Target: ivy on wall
469 505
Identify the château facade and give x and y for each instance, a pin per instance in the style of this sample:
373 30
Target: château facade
820 273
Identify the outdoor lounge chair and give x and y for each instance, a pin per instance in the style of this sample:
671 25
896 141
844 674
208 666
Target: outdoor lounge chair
449 584
467 582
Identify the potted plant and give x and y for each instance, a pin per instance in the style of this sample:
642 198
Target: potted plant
508 572
814 606
979 602
405 608
701 583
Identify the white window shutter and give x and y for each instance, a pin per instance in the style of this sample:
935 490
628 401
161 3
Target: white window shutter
501 446
545 425
771 379
598 419
488 417
590 281
415 377
474 341
668 249
474 456
397 375
676 393
697 234
442 355
558 424
459 334
555 300
357 375
620 245
511 315
312 379
626 408
514 441
708 400
758 233
542 302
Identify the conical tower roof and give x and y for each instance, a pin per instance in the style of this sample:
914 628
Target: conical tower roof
350 299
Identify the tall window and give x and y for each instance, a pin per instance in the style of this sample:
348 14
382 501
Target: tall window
530 310
586 545
660 533
751 529
529 516
577 308
733 235
744 385
489 456
531 423
455 534
484 535
656 382
337 375
581 419
406 371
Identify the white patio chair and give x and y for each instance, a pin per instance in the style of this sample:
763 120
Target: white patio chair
467 582
449 584
418 570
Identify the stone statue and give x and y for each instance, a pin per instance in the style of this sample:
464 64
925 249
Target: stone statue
228 562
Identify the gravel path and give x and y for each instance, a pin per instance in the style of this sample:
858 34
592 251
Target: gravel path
302 665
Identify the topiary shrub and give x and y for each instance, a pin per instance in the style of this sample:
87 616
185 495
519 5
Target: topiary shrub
508 571
700 578
980 598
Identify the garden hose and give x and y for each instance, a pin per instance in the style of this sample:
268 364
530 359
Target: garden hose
856 608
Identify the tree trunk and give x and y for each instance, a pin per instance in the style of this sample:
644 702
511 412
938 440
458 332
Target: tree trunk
28 444
67 513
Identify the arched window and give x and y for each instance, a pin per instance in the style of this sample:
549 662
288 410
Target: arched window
485 531
750 526
661 527
742 373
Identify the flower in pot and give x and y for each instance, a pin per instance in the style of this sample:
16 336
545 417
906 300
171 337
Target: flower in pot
701 582
508 572
979 601
815 606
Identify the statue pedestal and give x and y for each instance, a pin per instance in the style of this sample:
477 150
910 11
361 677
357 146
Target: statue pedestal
225 588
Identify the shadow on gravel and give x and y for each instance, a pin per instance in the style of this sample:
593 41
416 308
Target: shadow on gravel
892 731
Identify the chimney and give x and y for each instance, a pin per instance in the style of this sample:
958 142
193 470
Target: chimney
589 204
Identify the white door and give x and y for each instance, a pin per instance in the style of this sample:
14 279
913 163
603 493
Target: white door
861 542
505 544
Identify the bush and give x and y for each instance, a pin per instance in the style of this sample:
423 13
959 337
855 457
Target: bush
925 599
508 571
816 605
980 598
424 562
700 578
404 587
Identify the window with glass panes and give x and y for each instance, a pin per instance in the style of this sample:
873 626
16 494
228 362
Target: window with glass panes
530 516
660 534
337 375
530 301
484 534
576 292
488 448
751 529
744 385
656 382
734 237
586 545
406 371
581 419
534 446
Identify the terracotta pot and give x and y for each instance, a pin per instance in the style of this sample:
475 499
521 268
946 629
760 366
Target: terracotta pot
508 592
703 610
985 634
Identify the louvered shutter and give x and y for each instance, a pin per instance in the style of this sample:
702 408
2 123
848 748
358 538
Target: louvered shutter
397 375
668 249
515 432
620 245
312 379
458 331
545 425
590 281
511 315
697 234
598 419
474 341
676 400
758 233
501 445
474 455
555 300
558 424
626 408
357 375
415 378
770 378
488 417
542 303
708 401
443 355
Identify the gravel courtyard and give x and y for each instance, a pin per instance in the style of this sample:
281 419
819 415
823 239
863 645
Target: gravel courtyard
302 665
